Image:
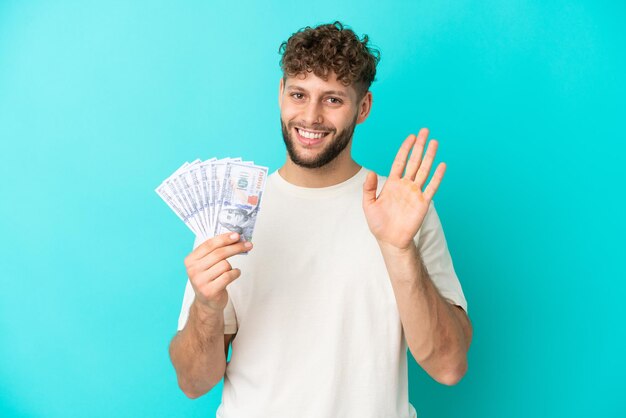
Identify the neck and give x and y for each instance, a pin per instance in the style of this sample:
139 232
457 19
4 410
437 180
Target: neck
335 172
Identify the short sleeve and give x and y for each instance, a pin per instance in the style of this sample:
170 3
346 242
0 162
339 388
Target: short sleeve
230 319
433 248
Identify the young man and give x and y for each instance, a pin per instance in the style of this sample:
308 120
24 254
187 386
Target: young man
348 270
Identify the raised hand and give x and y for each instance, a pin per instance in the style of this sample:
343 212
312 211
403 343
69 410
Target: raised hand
397 214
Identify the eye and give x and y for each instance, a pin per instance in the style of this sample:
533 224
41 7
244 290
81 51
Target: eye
334 100
297 96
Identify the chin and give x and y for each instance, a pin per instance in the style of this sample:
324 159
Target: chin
306 159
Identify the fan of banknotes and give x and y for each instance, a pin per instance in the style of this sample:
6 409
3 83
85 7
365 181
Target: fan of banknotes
213 197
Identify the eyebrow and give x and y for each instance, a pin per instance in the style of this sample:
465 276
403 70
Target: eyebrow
332 92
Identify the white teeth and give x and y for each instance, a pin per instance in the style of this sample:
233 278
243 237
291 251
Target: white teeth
310 135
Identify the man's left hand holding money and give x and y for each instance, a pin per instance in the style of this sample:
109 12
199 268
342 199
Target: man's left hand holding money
438 333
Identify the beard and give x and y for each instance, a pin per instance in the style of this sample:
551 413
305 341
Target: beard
328 154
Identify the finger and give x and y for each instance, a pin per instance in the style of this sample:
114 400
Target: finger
435 181
369 188
222 253
416 154
222 281
211 244
400 161
424 170
212 273
213 289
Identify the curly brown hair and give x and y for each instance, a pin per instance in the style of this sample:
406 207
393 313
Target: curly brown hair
330 48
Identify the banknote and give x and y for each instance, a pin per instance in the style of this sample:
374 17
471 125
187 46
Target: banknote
240 197
170 194
216 196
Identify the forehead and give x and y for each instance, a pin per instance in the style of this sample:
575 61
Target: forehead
313 83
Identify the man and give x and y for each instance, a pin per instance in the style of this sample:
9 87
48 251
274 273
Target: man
238 220
348 269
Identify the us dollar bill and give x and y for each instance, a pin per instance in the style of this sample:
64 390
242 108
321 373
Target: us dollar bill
240 199
216 196
170 194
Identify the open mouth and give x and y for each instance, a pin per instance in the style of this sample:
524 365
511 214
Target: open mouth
308 137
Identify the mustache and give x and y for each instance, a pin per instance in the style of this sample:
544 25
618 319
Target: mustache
315 127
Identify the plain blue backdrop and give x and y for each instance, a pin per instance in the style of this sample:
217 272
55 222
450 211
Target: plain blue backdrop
100 101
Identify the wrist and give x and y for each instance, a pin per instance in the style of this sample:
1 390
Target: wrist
392 250
404 264
207 315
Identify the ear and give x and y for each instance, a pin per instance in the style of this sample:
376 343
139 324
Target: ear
281 88
364 107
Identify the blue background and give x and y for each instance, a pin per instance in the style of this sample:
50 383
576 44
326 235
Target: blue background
100 101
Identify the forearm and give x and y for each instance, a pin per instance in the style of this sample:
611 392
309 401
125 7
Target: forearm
437 333
197 352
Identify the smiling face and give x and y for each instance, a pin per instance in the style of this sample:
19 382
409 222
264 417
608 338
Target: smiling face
318 118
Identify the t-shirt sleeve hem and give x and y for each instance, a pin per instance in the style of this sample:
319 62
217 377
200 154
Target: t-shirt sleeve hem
230 328
455 299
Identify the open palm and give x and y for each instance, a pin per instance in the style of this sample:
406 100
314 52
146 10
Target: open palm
395 216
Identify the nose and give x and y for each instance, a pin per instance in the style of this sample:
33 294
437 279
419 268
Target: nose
313 114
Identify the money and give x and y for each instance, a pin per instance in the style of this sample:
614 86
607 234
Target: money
239 199
216 196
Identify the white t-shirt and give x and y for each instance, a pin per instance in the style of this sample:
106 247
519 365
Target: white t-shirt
318 329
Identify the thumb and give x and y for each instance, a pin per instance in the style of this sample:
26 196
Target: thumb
369 188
